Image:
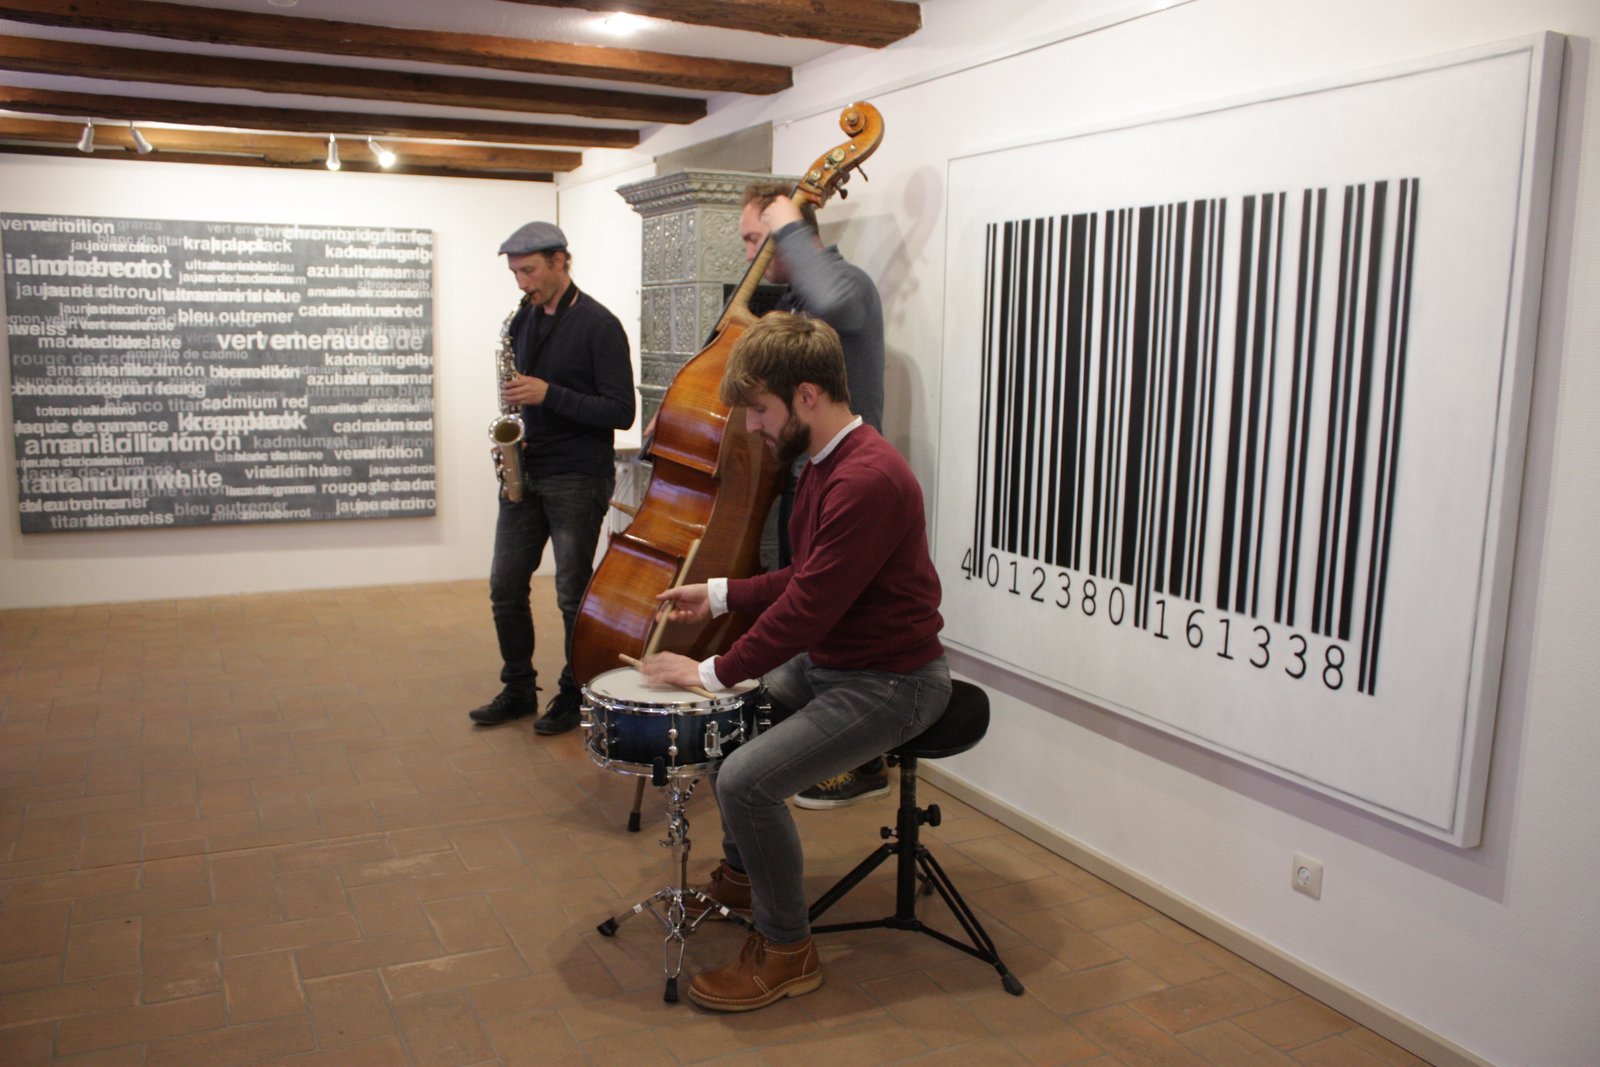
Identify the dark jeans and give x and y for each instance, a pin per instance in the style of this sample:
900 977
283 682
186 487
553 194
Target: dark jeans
566 511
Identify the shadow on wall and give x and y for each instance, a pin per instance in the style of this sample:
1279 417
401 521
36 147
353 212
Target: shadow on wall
889 245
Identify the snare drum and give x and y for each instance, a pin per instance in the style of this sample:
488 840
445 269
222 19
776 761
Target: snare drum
632 725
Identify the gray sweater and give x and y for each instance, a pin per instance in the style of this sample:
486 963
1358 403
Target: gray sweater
823 285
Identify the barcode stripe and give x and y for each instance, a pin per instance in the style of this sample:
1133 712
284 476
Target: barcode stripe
1026 371
1092 277
1068 354
1394 395
1269 350
1363 410
1101 382
1002 373
1121 442
986 370
1200 515
1192 330
1245 580
1158 467
1321 609
1230 504
1015 392
1149 475
1138 363
1307 307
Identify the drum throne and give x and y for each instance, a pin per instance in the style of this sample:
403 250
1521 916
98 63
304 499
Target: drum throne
961 727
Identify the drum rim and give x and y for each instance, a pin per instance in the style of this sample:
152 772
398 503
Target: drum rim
716 703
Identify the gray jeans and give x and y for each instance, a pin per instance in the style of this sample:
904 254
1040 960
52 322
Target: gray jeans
844 718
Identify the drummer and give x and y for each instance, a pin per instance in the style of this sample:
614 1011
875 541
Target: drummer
846 642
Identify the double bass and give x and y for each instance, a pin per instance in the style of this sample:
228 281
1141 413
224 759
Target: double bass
712 484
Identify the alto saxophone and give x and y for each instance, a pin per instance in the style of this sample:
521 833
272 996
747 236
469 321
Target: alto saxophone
505 432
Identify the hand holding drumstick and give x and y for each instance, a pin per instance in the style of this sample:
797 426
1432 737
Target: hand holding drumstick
686 603
681 603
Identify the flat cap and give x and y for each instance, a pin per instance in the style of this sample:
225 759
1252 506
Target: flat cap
534 237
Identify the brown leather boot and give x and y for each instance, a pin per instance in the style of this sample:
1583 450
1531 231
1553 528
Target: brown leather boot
727 887
764 972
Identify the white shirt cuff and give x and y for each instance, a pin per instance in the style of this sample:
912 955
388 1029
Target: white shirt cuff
717 596
708 674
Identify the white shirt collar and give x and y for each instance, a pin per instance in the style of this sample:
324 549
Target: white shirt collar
823 452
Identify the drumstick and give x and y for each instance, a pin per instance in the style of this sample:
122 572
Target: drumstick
657 631
695 689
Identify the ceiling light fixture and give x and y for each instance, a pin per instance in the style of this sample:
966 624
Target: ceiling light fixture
621 24
140 145
385 157
333 153
86 141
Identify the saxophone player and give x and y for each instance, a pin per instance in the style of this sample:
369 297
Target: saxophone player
568 377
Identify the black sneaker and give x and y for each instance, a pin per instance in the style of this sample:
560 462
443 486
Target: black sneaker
510 704
560 715
843 789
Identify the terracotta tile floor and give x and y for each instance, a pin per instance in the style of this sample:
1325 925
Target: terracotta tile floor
259 829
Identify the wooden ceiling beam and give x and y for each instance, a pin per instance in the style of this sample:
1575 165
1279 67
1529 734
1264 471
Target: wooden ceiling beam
290 151
185 22
869 23
40 56
255 161
298 120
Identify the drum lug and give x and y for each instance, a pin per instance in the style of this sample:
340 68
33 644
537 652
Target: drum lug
712 741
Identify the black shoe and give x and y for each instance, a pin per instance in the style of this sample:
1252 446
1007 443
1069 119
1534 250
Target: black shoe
510 704
842 790
560 715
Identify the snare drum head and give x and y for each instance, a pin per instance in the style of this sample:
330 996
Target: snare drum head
628 685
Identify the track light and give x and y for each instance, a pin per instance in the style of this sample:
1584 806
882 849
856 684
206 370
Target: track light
140 145
333 153
385 157
86 142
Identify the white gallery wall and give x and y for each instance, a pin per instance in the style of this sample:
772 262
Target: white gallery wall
1489 954
473 293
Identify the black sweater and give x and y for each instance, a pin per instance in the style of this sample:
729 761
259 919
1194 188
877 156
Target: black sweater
585 359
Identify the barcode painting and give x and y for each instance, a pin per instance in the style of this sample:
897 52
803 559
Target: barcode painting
1199 405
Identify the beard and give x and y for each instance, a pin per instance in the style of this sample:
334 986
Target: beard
792 442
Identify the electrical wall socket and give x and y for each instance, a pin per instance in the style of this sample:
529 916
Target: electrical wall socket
1306 876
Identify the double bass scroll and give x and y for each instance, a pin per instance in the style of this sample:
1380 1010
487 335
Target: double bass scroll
713 482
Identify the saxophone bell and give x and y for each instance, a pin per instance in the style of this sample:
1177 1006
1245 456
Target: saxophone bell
505 434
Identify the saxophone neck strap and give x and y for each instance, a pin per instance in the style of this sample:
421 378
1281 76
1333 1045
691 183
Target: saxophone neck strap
538 332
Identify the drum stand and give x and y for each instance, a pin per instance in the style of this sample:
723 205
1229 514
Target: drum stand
667 905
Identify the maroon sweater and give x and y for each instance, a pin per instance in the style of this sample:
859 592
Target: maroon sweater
861 593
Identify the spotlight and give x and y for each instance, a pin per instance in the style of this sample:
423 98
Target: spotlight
385 157
333 153
140 145
86 142
621 24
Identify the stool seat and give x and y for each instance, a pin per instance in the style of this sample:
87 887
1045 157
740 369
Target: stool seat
962 726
